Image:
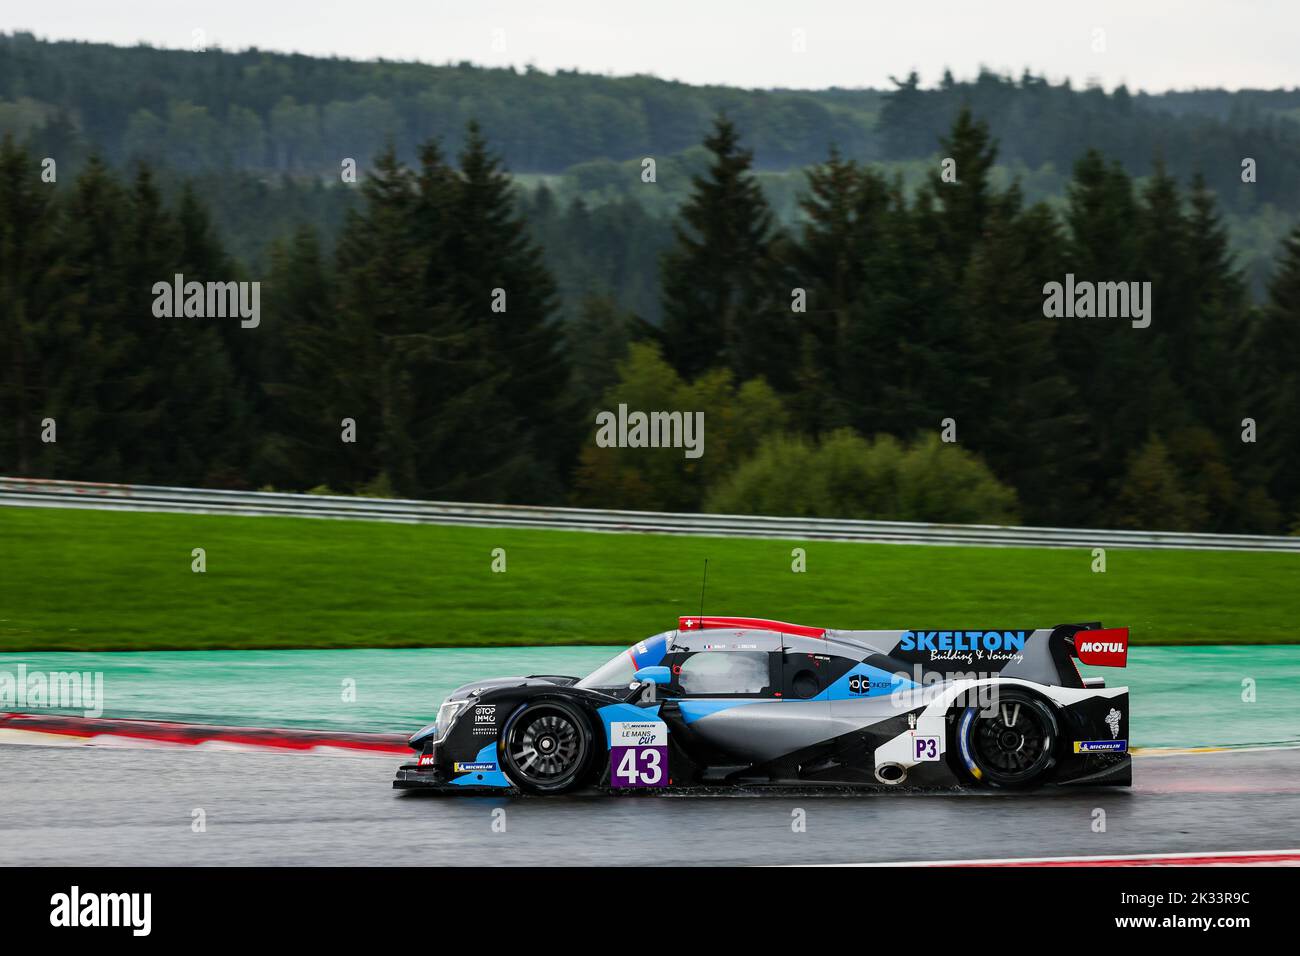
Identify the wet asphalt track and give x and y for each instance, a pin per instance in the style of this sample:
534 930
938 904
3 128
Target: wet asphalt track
94 806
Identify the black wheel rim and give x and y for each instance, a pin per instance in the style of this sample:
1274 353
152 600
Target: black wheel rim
1013 742
546 747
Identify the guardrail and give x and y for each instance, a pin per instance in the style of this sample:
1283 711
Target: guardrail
72 494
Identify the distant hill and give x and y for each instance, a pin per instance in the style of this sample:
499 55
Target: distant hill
263 134
293 113
287 113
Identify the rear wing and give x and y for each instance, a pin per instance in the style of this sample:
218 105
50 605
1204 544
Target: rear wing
1090 643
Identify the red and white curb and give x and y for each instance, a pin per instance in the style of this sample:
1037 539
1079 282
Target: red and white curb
1237 858
61 731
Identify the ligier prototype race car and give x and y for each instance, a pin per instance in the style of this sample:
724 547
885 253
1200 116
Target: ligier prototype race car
747 703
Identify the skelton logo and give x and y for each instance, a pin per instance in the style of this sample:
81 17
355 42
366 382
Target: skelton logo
1104 648
939 641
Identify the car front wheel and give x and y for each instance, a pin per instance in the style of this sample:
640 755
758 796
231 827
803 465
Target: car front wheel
548 747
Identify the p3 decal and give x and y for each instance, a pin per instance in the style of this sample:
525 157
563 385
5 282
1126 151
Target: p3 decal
925 748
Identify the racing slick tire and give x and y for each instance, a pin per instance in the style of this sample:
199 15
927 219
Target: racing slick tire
548 747
1015 746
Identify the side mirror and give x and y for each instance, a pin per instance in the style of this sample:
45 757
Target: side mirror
654 675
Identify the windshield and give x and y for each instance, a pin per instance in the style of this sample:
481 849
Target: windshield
618 670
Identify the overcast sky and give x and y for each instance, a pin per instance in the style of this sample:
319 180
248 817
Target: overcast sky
1148 44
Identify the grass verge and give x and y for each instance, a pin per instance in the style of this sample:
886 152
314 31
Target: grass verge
101 580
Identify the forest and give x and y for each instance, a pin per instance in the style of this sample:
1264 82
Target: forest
261 135
878 350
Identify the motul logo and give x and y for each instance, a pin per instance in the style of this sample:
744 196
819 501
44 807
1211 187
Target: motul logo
1114 648
1108 648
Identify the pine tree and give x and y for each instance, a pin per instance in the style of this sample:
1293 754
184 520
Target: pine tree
244 351
1271 359
381 316
192 400
597 340
161 355
200 252
496 277
1164 259
32 275
298 444
1101 216
471 441
1111 364
426 379
722 297
1023 413
98 392
900 337
904 122
1220 309
966 203
835 260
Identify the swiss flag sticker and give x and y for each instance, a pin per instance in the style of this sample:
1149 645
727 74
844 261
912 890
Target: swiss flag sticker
1104 648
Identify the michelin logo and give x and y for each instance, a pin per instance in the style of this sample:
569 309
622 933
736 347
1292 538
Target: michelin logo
481 766
1100 746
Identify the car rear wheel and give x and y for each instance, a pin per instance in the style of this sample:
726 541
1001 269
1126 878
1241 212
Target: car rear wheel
1013 745
548 747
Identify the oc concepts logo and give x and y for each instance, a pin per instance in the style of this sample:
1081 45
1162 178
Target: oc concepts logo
862 684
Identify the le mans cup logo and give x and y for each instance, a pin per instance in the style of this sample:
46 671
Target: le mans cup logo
638 754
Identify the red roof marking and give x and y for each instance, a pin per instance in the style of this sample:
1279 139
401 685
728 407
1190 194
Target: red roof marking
754 623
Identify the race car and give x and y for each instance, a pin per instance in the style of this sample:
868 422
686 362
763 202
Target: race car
751 703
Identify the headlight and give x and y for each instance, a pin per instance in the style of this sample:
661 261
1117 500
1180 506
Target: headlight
447 715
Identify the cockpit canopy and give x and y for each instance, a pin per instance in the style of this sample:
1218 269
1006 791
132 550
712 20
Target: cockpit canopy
618 670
